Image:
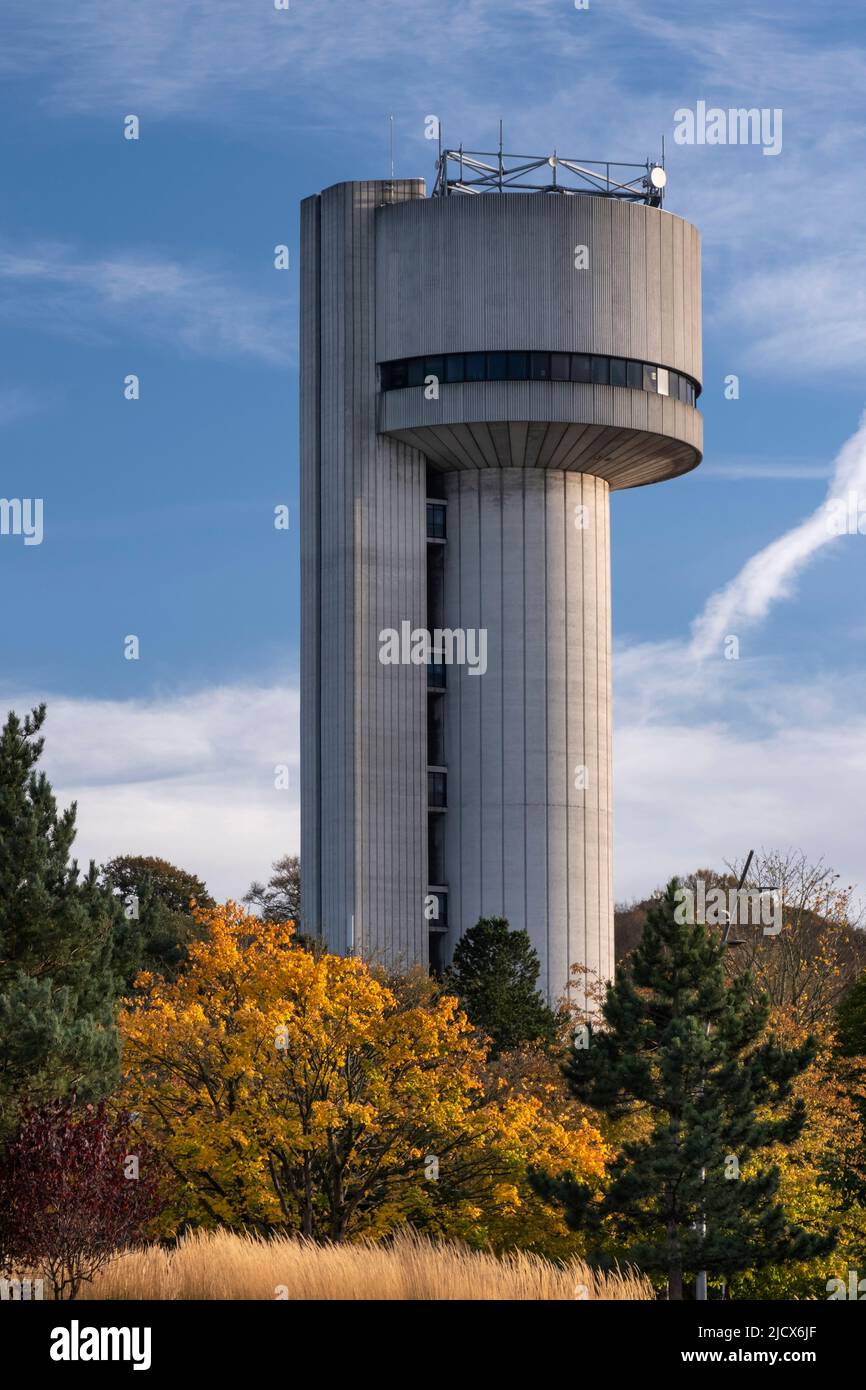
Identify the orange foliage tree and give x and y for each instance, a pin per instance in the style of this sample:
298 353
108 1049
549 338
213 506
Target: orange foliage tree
302 1090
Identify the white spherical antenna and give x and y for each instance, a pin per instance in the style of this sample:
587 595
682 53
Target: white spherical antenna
658 177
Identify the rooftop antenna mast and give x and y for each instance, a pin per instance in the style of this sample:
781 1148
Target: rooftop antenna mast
495 171
501 165
391 143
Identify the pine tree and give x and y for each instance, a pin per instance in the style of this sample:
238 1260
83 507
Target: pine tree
57 943
695 1188
495 974
845 1163
851 1020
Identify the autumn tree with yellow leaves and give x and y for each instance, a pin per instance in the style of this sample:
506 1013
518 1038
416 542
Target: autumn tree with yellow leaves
806 968
301 1090
805 971
822 1174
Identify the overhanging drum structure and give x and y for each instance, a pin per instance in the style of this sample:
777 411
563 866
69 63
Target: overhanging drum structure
479 370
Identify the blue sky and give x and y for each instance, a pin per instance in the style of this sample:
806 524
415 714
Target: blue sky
156 257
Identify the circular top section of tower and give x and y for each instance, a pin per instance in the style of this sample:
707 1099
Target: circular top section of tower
539 331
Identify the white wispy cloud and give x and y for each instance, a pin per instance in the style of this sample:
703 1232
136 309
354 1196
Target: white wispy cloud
785 267
713 757
770 575
806 57
812 311
700 790
179 56
766 469
188 777
202 309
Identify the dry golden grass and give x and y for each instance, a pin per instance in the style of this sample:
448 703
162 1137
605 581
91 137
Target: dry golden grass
223 1265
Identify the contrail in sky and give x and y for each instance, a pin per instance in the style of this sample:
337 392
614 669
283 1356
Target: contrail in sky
770 574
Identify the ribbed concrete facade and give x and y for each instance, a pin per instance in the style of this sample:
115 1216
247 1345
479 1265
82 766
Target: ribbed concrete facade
363 554
528 744
522 471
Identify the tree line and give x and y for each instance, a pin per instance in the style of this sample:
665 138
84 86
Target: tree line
167 1061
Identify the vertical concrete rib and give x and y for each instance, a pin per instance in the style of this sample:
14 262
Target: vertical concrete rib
580 517
513 702
492 748
310 481
557 699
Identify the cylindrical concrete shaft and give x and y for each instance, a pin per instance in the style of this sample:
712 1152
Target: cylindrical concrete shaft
528 743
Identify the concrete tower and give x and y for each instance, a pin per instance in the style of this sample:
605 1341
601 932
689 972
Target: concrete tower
478 373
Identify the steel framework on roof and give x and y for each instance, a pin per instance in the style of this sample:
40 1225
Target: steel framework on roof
486 171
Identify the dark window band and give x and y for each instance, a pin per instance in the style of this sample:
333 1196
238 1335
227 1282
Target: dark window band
453 368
